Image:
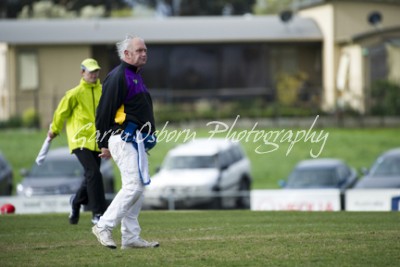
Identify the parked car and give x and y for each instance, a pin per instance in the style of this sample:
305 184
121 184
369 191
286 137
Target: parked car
384 173
321 173
60 173
210 173
6 177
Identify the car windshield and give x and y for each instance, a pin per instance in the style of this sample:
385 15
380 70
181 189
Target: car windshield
312 178
57 168
389 166
190 162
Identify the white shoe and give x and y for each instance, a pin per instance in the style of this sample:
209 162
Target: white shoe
96 218
140 243
104 236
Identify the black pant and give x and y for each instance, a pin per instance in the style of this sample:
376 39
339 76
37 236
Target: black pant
91 191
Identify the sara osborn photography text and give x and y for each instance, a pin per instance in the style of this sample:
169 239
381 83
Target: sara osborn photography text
268 141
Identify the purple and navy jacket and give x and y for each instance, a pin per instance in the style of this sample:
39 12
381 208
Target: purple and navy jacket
124 99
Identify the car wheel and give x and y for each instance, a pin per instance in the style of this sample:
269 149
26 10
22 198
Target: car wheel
10 189
216 202
243 200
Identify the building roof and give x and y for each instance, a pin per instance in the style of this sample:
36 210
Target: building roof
169 30
303 4
393 32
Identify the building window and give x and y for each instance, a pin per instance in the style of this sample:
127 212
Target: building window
207 66
284 60
28 71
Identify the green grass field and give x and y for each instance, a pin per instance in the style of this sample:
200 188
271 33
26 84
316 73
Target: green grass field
216 238
209 238
358 147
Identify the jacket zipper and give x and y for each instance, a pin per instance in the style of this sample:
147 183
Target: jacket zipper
94 112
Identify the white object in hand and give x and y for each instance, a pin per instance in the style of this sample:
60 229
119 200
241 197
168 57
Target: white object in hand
43 151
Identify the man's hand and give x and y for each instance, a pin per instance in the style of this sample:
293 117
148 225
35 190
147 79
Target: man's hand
105 153
51 135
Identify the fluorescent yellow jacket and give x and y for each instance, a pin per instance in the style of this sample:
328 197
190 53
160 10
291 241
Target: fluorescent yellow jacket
78 109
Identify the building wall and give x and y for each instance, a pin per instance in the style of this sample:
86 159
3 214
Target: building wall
11 79
4 94
380 60
352 18
59 71
393 63
339 22
323 15
350 74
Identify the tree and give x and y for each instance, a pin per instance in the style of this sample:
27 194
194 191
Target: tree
11 8
262 7
215 7
385 98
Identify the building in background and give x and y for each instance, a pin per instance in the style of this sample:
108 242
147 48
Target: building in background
189 58
361 44
331 45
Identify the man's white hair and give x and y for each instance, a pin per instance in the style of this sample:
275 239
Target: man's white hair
124 45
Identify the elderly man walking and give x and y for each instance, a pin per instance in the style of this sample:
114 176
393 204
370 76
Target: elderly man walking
124 115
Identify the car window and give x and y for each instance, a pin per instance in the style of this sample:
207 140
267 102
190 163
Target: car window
225 159
237 153
2 164
343 172
389 166
57 168
190 162
305 178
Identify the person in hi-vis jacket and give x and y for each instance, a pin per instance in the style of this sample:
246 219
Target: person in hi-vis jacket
78 109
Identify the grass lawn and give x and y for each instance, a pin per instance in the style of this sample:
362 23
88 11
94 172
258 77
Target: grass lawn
358 147
216 238
209 238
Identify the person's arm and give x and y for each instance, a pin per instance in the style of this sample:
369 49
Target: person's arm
51 135
111 99
105 153
61 114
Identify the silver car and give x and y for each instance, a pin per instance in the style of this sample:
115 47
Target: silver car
60 173
385 172
321 173
6 177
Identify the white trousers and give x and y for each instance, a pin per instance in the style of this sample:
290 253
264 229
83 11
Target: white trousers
126 205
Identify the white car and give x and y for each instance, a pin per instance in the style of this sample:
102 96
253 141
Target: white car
211 173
